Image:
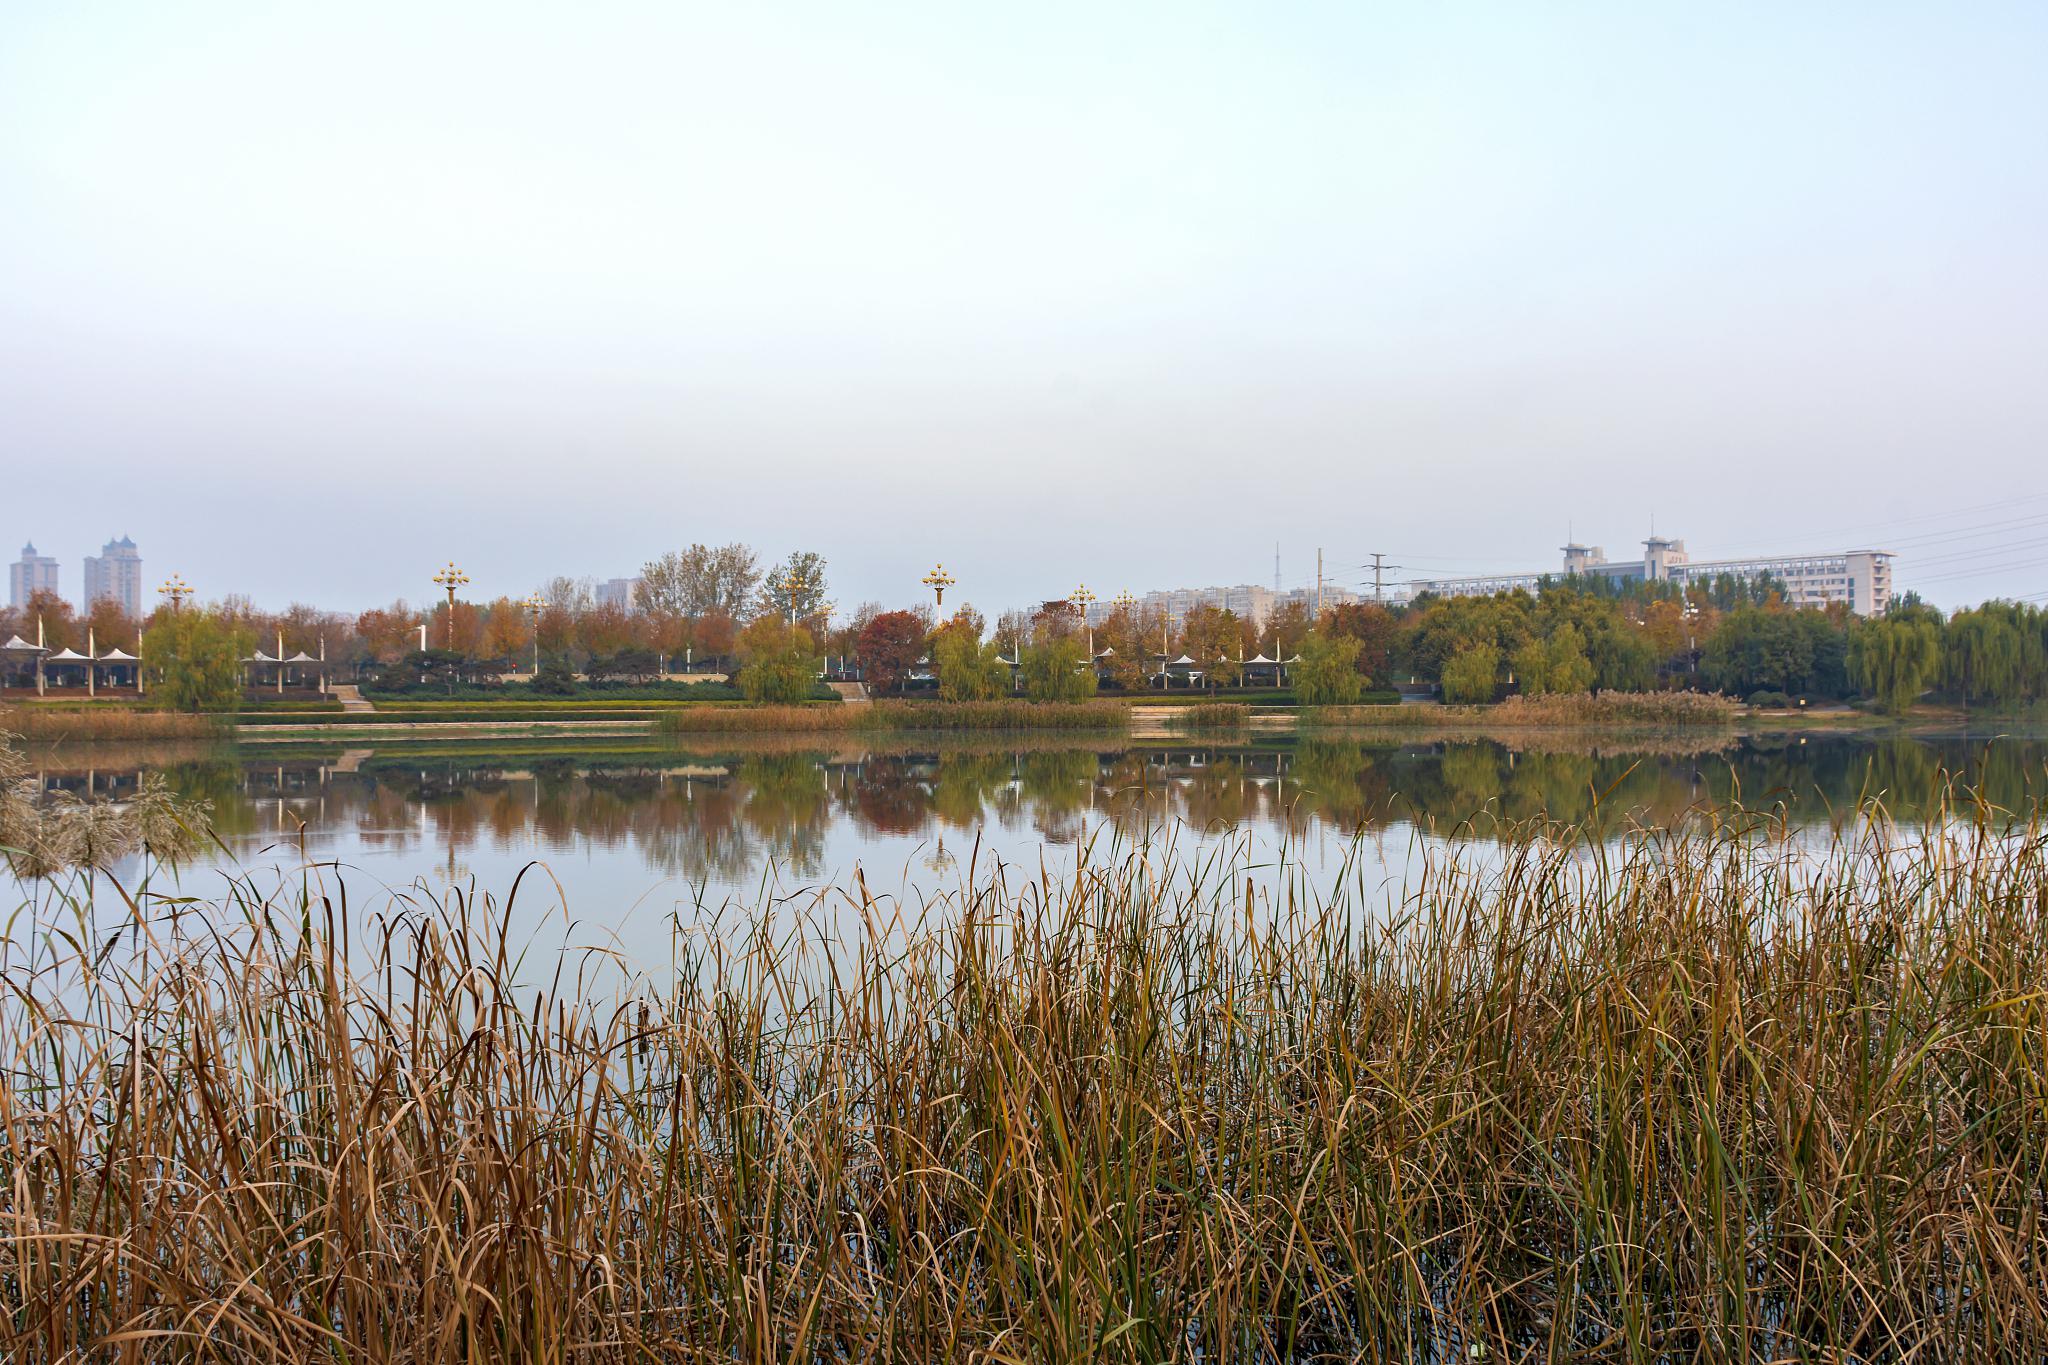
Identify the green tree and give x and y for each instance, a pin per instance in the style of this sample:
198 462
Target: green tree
1894 658
195 660
796 586
968 669
1056 669
1326 674
1556 664
779 663
1472 675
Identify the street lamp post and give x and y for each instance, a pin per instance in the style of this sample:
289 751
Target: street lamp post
451 578
938 580
533 604
1082 600
175 590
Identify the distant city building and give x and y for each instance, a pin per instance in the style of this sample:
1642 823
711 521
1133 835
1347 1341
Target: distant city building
623 593
115 573
32 574
1860 578
1249 601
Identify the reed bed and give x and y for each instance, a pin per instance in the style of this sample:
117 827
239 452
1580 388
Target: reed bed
1211 715
1579 710
1673 1096
104 720
905 715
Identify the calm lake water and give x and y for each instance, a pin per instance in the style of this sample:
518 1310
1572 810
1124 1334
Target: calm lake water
639 835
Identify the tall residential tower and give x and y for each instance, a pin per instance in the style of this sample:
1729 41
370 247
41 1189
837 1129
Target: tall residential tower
116 573
33 574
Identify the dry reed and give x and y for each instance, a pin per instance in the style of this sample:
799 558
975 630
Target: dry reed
108 720
903 715
1700 1095
1589 710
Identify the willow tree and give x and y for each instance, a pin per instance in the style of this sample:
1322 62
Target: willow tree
1995 654
195 658
1893 659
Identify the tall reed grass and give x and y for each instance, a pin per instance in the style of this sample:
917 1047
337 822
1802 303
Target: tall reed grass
1587 710
106 720
905 715
1211 715
1703 1095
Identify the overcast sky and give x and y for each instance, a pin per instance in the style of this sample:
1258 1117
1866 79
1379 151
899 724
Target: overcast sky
310 298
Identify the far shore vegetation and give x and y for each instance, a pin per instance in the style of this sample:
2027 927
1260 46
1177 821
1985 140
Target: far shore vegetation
711 626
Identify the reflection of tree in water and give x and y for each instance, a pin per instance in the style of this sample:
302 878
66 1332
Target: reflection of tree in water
1058 788
888 796
721 818
787 808
966 785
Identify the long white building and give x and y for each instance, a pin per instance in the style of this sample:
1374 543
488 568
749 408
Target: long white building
1860 578
1249 601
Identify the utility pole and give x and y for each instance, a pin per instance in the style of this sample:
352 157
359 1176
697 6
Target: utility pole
1379 571
1319 582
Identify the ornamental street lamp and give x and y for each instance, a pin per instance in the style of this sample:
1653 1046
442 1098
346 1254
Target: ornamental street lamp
1082 600
795 584
451 578
938 580
533 605
175 589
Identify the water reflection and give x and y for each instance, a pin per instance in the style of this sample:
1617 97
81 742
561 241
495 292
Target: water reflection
720 814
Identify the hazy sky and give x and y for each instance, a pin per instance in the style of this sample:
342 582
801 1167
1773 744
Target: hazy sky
309 299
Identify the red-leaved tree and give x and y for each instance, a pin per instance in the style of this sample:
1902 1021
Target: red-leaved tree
890 647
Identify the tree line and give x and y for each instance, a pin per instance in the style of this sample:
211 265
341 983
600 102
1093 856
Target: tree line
774 630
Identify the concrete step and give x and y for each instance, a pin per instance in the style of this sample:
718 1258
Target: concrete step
350 696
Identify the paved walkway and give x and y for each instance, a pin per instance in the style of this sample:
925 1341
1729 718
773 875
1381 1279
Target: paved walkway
853 693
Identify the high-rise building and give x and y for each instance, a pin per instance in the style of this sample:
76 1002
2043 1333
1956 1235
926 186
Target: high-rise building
34 573
623 593
116 573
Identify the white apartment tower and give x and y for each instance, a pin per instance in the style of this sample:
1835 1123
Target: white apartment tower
32 574
115 573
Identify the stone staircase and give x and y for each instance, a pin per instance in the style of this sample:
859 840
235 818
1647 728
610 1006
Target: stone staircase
350 696
852 693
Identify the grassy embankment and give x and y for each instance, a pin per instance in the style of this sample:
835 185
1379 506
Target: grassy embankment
1702 1097
905 715
1605 710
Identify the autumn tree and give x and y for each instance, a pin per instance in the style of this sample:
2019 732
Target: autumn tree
508 631
1211 636
107 626
1374 627
890 646
388 633
49 616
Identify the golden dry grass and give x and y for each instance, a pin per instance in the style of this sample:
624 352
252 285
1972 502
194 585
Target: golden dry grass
1701 1095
